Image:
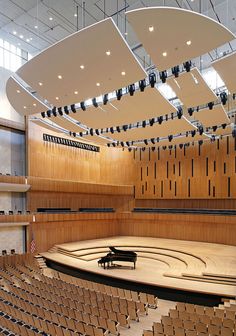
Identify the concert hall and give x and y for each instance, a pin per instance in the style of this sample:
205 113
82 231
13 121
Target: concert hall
117 168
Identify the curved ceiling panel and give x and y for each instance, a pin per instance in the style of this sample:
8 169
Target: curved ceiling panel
191 88
226 68
169 127
172 36
130 109
66 124
21 100
214 117
47 124
88 63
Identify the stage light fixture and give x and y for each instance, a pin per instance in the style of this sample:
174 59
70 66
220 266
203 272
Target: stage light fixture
152 79
54 111
118 129
43 114
157 139
97 131
223 98
172 116
74 134
113 144
181 146
197 108
122 144
153 141
164 147
210 105
151 121
80 134
49 113
175 71
234 96
145 141
170 138
144 123
214 128
125 127
213 138
160 120
91 131
170 147
111 130
234 133
59 110
200 142
127 143
153 149
82 106
94 101
163 76
66 110
143 149
166 117
200 130
193 133
142 84
190 111
108 145
73 109
131 89
105 99
119 94
129 149
180 112
224 126
187 65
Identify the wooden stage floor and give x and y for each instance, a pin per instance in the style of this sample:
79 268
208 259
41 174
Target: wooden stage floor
177 264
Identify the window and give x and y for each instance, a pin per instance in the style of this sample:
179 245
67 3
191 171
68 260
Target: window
12 57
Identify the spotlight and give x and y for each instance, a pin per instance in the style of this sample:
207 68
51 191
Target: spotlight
180 112
190 111
153 149
223 98
170 147
143 149
91 131
97 131
152 79
153 141
187 65
210 105
170 138
197 109
200 130
224 126
119 94
164 147
186 134
43 114
213 138
105 99
158 139
129 149
122 144
181 146
214 128
200 142
193 133
112 130
59 110
108 145
73 109
160 119
125 127
113 144
74 134
131 89
234 96
166 117
118 129
145 141
172 116
175 71
94 101
49 113
142 85
80 134
151 121
163 76
144 123
234 133
66 110
82 106
127 143
54 111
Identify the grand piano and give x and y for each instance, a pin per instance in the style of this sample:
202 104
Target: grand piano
117 255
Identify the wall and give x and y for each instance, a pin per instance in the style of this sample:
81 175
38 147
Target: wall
197 176
12 238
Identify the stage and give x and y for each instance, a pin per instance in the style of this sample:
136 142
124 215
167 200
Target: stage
172 266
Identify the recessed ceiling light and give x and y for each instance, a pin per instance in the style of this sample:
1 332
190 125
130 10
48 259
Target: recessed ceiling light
126 33
18 43
57 98
31 38
75 15
98 84
151 28
76 92
108 52
164 54
59 76
82 66
36 27
50 18
123 73
27 40
25 107
34 105
189 43
21 36
14 33
40 83
18 91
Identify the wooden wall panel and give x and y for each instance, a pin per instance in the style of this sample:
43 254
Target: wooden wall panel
195 172
48 160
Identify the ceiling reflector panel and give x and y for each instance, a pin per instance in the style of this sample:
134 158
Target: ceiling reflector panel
226 68
214 117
